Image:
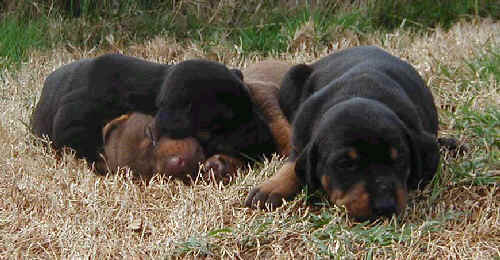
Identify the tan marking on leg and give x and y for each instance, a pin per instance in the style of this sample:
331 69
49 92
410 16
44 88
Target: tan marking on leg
285 182
282 132
401 198
394 153
356 200
265 95
353 154
325 182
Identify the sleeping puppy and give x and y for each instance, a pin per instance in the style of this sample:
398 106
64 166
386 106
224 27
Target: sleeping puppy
195 98
364 131
79 98
208 101
128 143
262 79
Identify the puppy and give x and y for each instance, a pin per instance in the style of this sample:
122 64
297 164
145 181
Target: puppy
128 142
262 79
208 101
79 98
364 131
195 98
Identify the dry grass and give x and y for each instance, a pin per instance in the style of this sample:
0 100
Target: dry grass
57 208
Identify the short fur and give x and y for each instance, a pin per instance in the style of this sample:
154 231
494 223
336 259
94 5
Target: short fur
128 143
206 100
221 167
194 98
263 80
364 130
79 98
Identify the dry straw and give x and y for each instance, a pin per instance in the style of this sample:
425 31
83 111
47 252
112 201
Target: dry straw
56 208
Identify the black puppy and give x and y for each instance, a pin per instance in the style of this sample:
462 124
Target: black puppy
207 100
79 98
195 98
364 130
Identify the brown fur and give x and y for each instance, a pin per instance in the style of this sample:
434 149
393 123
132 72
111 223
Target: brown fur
127 144
356 200
264 79
223 167
284 184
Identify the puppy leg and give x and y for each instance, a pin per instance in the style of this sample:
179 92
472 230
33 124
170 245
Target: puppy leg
453 146
73 128
266 96
283 185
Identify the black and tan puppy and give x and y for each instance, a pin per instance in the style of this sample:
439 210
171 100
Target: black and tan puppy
128 143
210 102
364 130
262 79
79 98
195 98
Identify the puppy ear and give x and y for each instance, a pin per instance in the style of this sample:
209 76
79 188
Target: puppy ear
292 88
109 127
150 133
238 73
425 158
305 166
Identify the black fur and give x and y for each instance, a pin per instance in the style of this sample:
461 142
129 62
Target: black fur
207 100
195 98
369 100
79 98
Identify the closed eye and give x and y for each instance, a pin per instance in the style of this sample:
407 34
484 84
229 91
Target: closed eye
347 164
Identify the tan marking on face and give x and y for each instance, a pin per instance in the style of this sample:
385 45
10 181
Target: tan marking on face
394 153
356 200
353 154
325 182
401 199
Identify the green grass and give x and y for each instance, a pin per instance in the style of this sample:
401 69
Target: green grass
19 37
391 14
257 26
488 64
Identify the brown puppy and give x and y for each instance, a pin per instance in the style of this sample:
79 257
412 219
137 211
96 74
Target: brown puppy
128 143
263 80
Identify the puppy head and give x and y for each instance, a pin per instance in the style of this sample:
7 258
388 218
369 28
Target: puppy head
179 158
128 142
364 157
201 96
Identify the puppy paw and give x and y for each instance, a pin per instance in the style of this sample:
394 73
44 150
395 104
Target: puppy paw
264 196
283 185
453 146
222 167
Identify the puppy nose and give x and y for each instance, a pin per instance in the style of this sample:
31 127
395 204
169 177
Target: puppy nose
175 164
385 207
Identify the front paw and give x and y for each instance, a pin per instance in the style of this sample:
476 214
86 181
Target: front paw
222 167
264 196
283 185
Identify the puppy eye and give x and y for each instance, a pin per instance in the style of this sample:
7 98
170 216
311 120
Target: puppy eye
346 164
